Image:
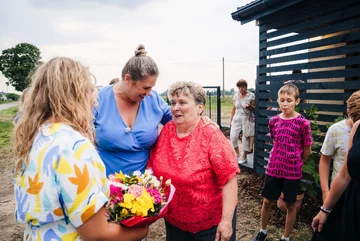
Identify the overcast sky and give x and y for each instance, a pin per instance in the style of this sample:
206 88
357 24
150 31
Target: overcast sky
186 38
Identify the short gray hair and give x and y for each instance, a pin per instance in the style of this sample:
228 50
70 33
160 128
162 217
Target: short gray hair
140 66
189 89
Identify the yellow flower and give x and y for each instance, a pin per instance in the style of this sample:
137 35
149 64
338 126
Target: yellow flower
142 204
120 176
128 201
124 212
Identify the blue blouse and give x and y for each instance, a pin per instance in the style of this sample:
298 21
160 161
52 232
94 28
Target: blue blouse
120 147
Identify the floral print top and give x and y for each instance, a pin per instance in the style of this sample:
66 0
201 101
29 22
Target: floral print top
63 184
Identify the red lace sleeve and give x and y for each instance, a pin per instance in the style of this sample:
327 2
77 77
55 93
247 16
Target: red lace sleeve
222 157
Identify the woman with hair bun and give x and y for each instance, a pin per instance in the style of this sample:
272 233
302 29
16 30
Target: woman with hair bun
128 114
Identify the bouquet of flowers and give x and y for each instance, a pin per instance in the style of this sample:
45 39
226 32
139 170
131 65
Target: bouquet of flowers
138 200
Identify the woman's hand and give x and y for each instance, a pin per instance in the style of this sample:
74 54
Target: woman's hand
319 221
207 121
224 231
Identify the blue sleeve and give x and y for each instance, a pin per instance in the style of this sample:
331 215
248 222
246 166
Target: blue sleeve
95 110
166 110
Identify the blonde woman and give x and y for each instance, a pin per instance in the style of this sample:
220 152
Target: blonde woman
60 180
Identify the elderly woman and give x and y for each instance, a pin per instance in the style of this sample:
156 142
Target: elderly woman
202 166
240 119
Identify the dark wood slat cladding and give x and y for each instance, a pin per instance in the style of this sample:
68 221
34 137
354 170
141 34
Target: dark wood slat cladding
314 33
309 11
314 65
342 38
313 75
346 85
344 14
312 96
302 106
328 63
354 48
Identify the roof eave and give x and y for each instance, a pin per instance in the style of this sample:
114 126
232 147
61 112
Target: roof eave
260 8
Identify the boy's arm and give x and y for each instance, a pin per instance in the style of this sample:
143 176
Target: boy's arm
306 153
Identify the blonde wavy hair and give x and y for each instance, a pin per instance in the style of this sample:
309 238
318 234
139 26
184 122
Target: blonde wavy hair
353 103
61 91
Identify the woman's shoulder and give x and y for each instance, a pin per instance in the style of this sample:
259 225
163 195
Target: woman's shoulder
61 133
209 130
251 95
105 92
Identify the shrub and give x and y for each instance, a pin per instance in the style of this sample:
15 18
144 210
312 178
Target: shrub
12 96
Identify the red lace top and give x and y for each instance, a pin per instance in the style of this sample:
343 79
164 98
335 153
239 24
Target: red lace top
198 166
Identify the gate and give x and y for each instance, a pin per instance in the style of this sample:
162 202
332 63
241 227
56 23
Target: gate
213 107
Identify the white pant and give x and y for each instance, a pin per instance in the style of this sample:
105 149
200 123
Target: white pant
237 125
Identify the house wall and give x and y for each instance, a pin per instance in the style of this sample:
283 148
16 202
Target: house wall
321 38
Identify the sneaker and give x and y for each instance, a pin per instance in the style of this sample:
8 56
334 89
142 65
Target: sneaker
260 237
241 161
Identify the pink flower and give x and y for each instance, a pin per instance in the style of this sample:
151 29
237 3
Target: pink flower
116 191
135 190
155 194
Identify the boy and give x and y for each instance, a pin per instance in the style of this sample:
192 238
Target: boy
291 134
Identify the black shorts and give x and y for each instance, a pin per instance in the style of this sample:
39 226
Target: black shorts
274 186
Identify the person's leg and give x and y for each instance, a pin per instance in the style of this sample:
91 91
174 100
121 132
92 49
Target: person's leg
234 135
290 190
251 144
176 234
290 218
245 140
265 212
281 204
270 192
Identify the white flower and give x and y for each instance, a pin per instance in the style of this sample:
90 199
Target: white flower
137 173
168 182
148 172
156 183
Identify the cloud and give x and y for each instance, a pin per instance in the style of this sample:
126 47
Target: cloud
188 39
84 4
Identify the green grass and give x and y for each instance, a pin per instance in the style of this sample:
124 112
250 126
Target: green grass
6 126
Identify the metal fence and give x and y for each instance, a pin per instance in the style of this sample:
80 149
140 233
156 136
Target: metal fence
213 105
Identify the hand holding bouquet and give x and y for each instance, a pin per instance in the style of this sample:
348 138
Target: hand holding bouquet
137 200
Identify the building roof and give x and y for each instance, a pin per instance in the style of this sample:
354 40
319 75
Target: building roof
260 8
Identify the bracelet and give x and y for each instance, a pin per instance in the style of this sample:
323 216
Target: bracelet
327 211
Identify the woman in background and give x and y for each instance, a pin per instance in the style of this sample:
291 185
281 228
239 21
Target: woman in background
239 120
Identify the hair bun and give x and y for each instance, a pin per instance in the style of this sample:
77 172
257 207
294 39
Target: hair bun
140 51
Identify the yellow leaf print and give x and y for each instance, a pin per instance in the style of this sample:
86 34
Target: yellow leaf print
88 213
70 236
81 179
35 187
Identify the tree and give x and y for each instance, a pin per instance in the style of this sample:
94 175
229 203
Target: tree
17 63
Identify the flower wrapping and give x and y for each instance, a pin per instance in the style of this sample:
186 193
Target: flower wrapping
138 200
